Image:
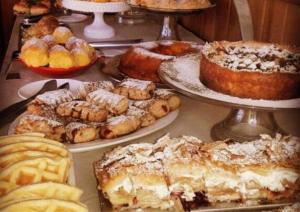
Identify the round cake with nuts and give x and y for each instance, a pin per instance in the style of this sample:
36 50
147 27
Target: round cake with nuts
249 69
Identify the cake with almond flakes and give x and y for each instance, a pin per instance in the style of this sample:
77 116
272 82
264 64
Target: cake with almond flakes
251 69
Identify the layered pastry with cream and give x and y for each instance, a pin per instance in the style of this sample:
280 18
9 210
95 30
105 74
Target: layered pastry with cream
251 69
132 177
263 170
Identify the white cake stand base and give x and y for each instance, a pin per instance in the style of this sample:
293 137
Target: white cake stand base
99 29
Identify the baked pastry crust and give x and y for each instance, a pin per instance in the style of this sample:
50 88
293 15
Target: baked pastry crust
82 110
156 107
145 117
263 170
77 132
173 100
32 123
114 103
273 75
119 125
135 89
142 61
93 111
88 87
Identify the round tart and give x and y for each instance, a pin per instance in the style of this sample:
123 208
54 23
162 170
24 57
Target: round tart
172 4
142 61
251 70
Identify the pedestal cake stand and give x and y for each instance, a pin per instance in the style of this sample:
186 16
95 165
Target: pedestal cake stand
247 119
169 28
98 29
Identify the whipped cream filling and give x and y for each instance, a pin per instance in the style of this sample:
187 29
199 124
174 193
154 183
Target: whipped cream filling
273 180
161 191
188 192
126 184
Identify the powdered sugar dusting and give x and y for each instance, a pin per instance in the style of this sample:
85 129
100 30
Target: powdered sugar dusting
75 126
187 80
148 53
62 29
88 87
143 103
102 96
58 48
134 111
35 42
260 151
266 58
73 104
49 122
161 93
118 119
207 165
53 98
135 83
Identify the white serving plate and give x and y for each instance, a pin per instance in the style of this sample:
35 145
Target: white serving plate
32 88
100 143
183 74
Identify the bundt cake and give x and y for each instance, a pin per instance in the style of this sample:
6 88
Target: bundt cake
142 61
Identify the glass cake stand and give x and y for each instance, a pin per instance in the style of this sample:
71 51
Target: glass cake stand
98 29
169 28
247 119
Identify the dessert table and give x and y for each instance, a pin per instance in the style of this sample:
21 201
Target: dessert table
195 118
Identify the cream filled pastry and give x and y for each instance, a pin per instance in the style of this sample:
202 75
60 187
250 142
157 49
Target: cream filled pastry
263 170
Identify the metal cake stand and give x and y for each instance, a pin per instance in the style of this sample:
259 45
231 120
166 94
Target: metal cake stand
169 27
247 119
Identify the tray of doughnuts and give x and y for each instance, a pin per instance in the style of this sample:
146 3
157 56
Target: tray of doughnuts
57 52
100 113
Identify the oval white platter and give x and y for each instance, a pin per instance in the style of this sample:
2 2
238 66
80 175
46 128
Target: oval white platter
183 75
100 143
32 88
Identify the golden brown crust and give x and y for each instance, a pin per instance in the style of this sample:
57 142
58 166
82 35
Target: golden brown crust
139 66
144 66
244 84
